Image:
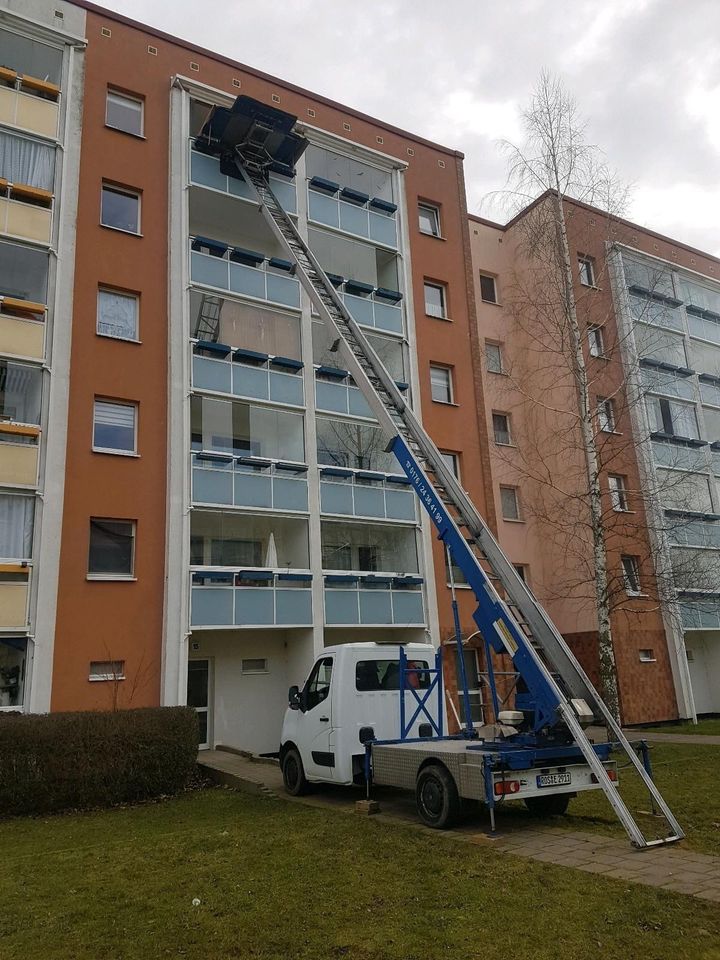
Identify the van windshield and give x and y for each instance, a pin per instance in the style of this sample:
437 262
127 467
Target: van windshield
385 675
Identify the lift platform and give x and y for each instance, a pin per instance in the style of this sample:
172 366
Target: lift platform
557 699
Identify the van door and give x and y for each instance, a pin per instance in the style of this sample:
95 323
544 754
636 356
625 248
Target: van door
315 729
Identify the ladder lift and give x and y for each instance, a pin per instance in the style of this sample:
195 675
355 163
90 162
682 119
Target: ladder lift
555 694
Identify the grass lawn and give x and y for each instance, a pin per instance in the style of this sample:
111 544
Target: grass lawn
689 780
709 727
279 880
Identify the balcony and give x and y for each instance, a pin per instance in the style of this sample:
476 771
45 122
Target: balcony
22 329
700 614
247 373
25 212
14 595
19 449
373 311
250 598
366 494
335 392
352 211
224 480
667 383
680 456
23 105
205 172
245 272
373 600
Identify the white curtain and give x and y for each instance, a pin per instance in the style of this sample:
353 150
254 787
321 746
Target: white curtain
117 315
26 161
16 526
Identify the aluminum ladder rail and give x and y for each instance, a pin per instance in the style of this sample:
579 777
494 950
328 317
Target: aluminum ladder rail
527 635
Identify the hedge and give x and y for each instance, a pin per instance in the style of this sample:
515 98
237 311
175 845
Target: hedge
62 761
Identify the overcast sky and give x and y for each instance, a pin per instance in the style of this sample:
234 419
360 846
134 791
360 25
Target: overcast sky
646 74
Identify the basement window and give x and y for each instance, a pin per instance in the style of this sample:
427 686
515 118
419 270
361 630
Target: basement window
107 670
254 665
647 656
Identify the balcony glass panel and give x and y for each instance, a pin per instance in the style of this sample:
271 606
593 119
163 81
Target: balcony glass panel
679 457
351 498
383 229
224 539
240 485
700 615
335 397
659 345
245 380
23 273
704 358
28 162
657 313
354 259
17 515
375 313
337 168
667 384
20 392
205 171
246 325
684 491
693 533
710 393
698 295
696 569
358 604
369 548
704 329
323 209
30 56
257 282
236 605
14 593
241 429
649 277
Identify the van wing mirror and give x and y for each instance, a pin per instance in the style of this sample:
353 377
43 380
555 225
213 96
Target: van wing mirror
294 697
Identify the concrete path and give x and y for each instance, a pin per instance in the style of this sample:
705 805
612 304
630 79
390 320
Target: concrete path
672 868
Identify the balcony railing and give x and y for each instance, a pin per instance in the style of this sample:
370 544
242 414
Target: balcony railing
205 171
22 328
372 312
244 272
25 212
28 110
336 393
250 598
700 614
244 373
14 595
680 456
666 382
222 479
373 600
19 448
352 212
363 493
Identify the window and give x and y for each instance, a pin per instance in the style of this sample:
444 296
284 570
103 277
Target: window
521 571
317 687
586 269
618 493
30 57
488 290
596 342
429 219
125 113
501 428
606 415
441 384
120 209
672 418
373 675
452 462
243 429
20 392
23 273
112 548
117 315
435 301
509 503
107 670
474 684
647 655
631 574
17 515
493 357
234 552
254 665
114 426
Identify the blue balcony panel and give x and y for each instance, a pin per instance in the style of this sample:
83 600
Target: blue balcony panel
383 229
212 375
323 209
212 606
341 607
289 494
212 486
375 606
336 498
400 504
293 606
408 607
254 606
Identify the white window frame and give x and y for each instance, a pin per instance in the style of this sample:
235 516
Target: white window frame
118 293
586 266
452 462
451 393
633 562
645 659
128 192
502 443
489 276
606 415
596 341
128 98
618 493
118 452
443 298
434 212
498 347
253 672
113 576
516 498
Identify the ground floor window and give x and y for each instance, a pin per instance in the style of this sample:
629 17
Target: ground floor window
12 671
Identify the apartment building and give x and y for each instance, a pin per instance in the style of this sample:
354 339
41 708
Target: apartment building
214 503
649 312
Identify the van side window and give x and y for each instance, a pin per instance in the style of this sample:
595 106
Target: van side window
385 675
317 687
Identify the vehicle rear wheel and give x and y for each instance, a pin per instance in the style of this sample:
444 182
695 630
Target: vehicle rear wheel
293 773
553 806
436 796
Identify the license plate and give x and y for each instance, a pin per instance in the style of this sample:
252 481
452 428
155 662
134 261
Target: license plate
553 779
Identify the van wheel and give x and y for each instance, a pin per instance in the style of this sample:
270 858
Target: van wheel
436 796
554 806
293 774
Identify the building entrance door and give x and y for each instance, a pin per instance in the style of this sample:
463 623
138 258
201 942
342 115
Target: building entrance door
199 697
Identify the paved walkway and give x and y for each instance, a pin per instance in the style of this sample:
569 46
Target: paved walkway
672 868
